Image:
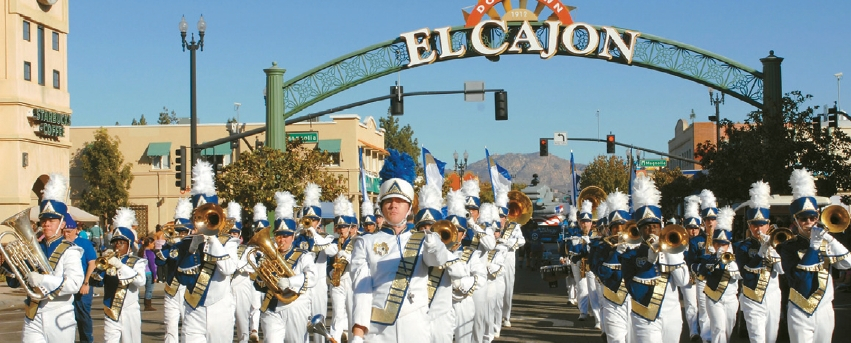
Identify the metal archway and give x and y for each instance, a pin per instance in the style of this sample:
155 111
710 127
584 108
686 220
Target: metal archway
652 52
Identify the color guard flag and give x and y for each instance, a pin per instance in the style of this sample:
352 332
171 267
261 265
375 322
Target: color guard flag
500 178
433 169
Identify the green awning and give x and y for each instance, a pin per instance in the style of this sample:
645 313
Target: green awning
218 150
159 148
329 145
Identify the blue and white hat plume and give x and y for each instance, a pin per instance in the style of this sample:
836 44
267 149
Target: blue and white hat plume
692 212
430 202
708 204
203 184
284 223
618 205
572 216
602 212
586 210
311 208
488 215
803 192
235 213
183 215
341 210
367 212
471 192
759 206
645 201
455 210
52 205
351 216
123 221
261 219
724 232
397 176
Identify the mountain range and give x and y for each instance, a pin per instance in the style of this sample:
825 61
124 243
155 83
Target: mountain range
552 170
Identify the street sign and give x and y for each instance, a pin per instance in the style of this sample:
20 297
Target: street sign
653 163
474 86
560 138
306 137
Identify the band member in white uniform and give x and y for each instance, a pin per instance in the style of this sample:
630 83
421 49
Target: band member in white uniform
241 285
485 243
806 260
691 221
722 274
615 304
570 229
513 236
121 277
341 282
173 307
463 288
709 213
321 249
489 219
586 285
52 319
391 304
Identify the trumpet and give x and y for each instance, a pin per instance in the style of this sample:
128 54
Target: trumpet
780 235
727 257
23 254
630 233
102 263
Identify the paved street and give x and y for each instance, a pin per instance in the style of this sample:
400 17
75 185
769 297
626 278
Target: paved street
539 315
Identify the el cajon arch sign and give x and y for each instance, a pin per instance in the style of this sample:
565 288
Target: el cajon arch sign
518 31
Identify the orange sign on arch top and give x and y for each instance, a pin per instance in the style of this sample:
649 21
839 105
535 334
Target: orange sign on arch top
560 12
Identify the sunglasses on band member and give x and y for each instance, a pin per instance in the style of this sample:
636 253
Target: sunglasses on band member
806 217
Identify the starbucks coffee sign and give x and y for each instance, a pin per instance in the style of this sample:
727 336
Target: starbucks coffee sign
50 124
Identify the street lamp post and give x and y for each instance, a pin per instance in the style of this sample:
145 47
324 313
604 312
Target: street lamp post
460 165
838 92
716 100
193 109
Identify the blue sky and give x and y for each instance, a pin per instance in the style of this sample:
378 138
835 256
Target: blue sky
125 59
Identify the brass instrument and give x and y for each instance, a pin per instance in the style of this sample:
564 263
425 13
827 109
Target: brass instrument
272 266
834 218
316 325
338 267
210 220
23 255
612 240
447 231
519 207
630 233
708 243
673 239
727 257
780 235
102 263
168 230
594 194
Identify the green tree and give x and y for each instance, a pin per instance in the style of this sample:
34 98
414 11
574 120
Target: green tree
142 120
134 122
754 152
257 175
400 138
107 178
609 173
167 118
674 187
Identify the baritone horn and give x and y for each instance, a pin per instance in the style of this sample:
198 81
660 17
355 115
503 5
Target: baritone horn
519 207
595 195
673 239
23 254
834 218
272 266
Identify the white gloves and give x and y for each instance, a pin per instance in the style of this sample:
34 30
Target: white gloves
344 255
356 339
586 239
501 241
464 284
621 248
432 241
732 267
817 235
34 279
763 238
283 283
651 256
196 241
115 262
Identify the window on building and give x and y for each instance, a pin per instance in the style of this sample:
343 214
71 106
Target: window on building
28 71
161 162
56 41
160 155
332 147
26 31
55 79
41 55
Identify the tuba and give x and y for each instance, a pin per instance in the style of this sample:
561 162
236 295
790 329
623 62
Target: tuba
594 194
834 218
519 207
210 220
23 254
272 266
673 239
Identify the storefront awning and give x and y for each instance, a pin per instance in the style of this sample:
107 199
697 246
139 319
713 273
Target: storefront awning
218 150
329 145
159 148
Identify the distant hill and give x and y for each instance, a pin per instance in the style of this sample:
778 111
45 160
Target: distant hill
552 170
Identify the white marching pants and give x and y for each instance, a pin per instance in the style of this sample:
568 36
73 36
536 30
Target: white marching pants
690 308
288 323
815 328
480 299
645 331
410 328
493 324
617 322
245 297
763 320
127 329
722 317
441 326
319 302
341 304
464 310
509 276
55 325
570 284
213 323
172 314
600 317
702 315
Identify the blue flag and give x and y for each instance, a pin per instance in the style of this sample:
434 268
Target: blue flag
500 177
574 179
433 169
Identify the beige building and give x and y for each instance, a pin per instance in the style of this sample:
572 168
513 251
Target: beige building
34 100
150 149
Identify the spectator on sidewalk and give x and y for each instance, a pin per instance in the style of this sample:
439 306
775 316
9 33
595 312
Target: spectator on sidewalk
96 234
147 252
83 299
159 240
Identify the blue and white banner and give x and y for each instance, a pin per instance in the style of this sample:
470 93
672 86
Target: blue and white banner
433 169
574 180
362 175
500 177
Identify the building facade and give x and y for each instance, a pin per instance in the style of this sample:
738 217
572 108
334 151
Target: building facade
150 149
34 100
686 138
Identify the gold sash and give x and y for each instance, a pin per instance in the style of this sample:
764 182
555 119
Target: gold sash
435 274
208 267
114 311
651 311
32 309
758 293
292 260
469 250
617 297
715 294
171 288
399 287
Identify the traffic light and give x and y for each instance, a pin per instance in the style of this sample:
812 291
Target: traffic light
544 146
610 144
501 105
181 156
817 125
397 103
832 120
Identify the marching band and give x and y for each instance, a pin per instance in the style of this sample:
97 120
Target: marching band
449 275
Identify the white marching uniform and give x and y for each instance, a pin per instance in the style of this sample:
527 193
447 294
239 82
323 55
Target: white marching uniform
689 293
722 313
322 250
173 308
55 321
441 314
341 299
462 299
246 298
127 329
288 323
763 318
495 292
668 324
395 309
486 243
214 320
514 241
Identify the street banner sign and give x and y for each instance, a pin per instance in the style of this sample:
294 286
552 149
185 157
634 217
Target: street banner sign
306 137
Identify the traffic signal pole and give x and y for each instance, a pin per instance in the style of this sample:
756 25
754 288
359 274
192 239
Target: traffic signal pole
631 146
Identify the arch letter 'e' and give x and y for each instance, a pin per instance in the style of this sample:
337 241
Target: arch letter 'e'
627 50
445 37
569 32
526 35
416 46
480 46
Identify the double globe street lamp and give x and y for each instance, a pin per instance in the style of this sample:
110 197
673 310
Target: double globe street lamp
193 109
